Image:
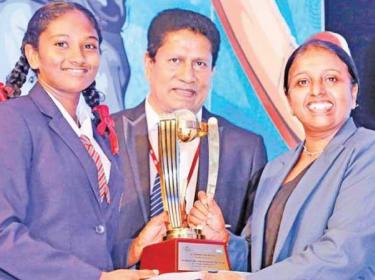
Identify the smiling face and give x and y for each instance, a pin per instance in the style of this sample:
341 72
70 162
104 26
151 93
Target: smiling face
180 74
320 91
67 57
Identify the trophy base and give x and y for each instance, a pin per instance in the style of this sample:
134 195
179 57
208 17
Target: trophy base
181 254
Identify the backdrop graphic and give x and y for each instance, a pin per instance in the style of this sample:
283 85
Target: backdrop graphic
356 21
257 37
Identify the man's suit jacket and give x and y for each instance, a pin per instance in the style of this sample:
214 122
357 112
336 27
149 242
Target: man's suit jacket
242 156
328 226
52 225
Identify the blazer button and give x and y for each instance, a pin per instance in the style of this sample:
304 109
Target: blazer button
100 229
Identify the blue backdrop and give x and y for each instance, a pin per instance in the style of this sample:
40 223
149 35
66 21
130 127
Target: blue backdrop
124 27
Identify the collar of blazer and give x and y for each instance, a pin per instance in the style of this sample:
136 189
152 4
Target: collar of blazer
131 127
60 126
271 180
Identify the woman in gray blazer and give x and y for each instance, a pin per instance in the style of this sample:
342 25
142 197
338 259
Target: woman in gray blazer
313 215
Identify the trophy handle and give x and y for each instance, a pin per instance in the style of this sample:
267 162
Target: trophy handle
213 156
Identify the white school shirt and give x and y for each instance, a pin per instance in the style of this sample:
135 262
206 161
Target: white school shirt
84 116
187 152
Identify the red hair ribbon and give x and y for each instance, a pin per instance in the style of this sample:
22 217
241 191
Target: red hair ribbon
107 124
5 92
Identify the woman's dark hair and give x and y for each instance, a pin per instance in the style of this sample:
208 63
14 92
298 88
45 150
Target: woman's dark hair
178 19
341 53
37 25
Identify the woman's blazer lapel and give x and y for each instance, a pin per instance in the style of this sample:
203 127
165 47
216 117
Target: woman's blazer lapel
61 127
310 181
270 182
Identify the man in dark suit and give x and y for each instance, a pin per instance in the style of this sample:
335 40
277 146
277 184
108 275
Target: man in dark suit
182 51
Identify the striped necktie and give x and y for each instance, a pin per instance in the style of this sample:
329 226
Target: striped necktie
102 180
156 199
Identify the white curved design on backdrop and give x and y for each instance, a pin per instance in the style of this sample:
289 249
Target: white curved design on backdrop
263 42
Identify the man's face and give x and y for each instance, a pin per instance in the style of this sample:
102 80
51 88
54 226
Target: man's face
180 74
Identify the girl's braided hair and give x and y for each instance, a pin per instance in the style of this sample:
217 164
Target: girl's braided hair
17 77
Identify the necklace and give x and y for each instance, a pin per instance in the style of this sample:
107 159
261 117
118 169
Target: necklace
311 154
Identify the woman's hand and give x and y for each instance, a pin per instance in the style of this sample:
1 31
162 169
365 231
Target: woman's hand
206 214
